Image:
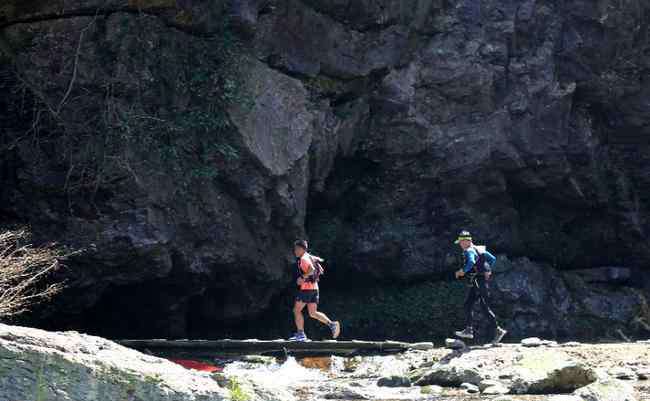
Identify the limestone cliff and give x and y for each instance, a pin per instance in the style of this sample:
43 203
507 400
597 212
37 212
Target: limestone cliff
184 144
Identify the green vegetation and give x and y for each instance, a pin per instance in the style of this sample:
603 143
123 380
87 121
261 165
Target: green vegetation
40 391
161 114
237 392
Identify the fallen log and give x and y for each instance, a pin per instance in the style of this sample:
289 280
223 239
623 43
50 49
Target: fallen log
257 346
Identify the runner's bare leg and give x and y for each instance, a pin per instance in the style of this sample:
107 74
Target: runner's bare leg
297 316
315 314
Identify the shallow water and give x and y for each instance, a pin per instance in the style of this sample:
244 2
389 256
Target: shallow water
326 378
287 374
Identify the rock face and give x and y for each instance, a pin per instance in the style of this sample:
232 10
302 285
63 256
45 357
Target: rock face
39 365
184 157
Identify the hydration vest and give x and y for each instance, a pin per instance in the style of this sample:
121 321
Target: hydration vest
319 270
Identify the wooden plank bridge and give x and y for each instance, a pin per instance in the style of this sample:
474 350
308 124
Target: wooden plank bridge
158 346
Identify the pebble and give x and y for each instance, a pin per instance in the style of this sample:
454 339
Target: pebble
453 343
537 342
531 342
470 388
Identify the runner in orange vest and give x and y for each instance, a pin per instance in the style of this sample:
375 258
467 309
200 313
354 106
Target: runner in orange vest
309 270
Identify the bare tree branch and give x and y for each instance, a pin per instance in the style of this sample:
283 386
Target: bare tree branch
23 270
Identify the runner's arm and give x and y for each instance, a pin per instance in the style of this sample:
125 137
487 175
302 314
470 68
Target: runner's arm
490 259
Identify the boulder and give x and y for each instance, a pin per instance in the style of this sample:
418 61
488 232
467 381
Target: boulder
607 390
75 367
549 372
450 375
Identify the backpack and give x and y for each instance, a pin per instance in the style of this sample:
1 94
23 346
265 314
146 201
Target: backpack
481 265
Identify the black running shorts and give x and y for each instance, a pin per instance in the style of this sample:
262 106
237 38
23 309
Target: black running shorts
307 296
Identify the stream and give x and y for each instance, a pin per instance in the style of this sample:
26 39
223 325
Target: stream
330 377
546 370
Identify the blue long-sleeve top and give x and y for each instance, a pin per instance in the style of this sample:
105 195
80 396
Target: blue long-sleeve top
471 256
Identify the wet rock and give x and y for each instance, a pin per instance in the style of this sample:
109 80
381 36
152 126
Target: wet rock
394 381
622 373
220 378
470 388
607 390
453 343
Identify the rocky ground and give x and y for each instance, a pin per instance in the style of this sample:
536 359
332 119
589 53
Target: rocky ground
534 371
46 366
